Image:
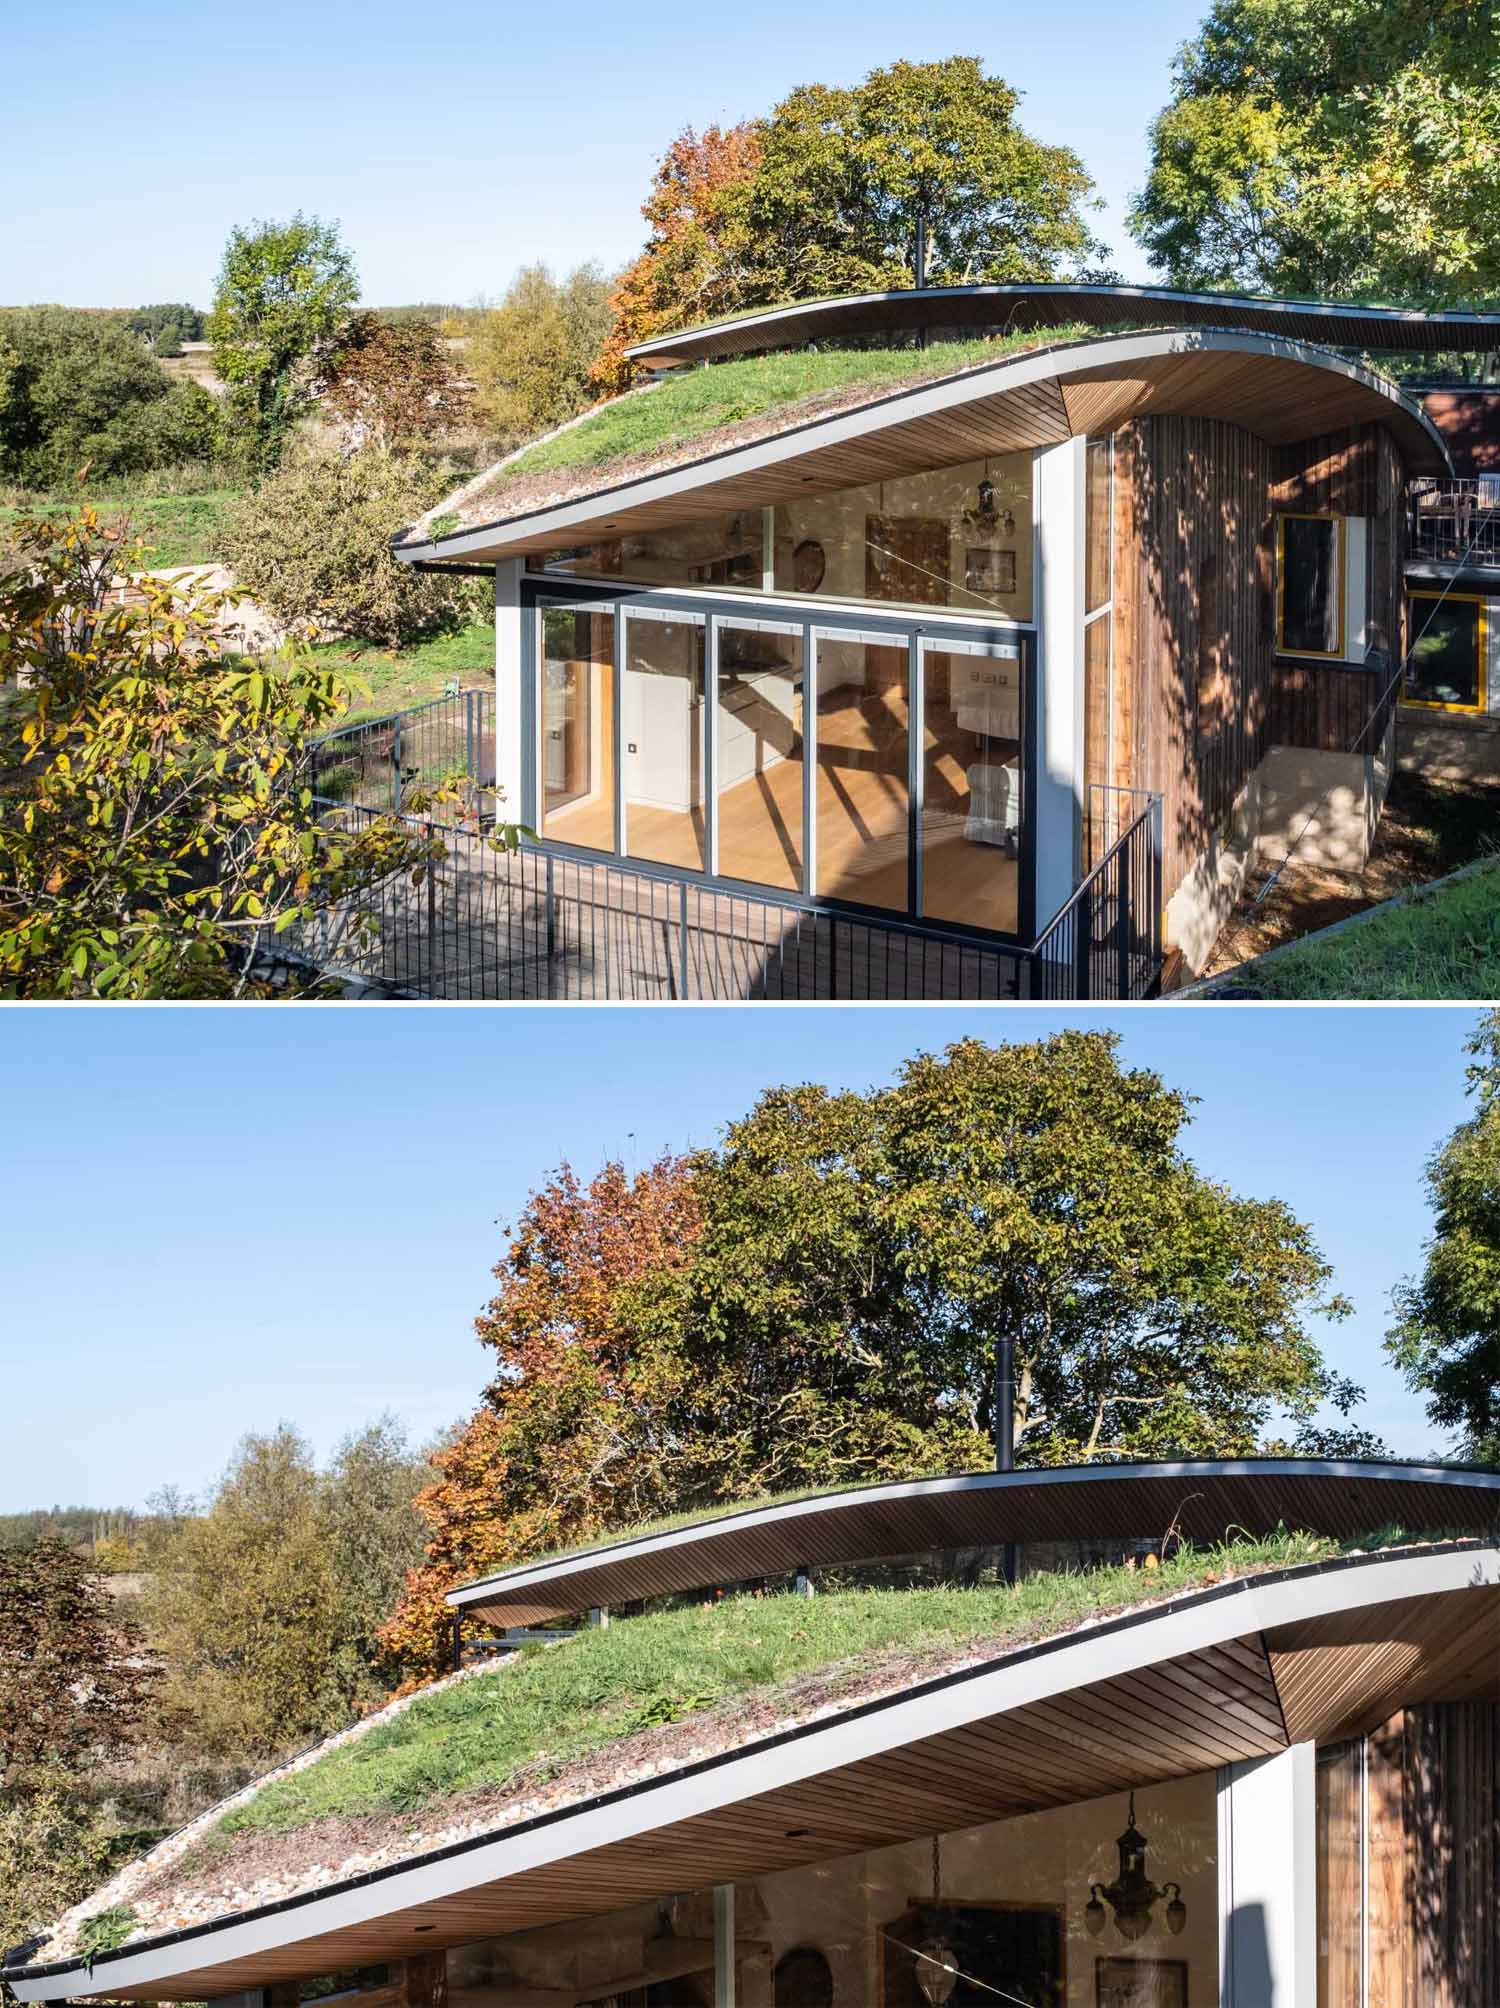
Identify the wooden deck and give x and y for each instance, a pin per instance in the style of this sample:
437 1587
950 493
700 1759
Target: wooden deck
529 927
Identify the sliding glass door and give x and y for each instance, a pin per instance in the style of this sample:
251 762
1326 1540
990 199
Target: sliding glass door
665 764
880 766
973 784
760 751
862 800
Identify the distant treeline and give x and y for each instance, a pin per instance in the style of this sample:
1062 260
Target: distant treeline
87 1528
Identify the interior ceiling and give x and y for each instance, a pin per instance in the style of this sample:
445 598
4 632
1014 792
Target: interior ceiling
1187 1714
1279 397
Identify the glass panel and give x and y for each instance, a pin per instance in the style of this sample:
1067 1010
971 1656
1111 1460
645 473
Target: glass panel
1311 616
1340 1817
958 537
577 726
1098 742
759 760
1098 529
862 796
1444 667
972 788
663 711
996 1917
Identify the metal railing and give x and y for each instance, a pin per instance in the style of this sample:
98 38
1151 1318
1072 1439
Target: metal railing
536 924
380 764
1457 520
1106 941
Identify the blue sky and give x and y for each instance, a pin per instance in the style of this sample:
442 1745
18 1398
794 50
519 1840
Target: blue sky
455 147
211 1220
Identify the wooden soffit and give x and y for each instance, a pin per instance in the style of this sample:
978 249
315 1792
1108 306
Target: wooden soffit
1159 1693
1203 1500
1281 390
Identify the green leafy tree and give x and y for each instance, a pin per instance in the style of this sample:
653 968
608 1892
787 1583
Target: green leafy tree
245 1608
283 295
1351 151
880 1246
531 357
54 1848
157 825
375 1534
79 390
312 545
73 1683
1446 1335
846 177
165 328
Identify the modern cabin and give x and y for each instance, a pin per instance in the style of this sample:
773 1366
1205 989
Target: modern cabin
1263 1776
1002 622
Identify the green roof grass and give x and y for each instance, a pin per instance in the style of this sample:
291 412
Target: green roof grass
701 401
553 1704
1439 942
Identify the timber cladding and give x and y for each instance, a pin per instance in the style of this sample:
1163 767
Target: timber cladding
1198 695
1192 520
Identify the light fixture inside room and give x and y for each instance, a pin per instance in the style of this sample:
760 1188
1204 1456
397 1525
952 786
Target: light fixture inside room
986 517
1132 1895
937 1967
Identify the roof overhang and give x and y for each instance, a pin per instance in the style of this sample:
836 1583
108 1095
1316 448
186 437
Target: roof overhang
1162 1692
1341 1498
1279 389
1058 303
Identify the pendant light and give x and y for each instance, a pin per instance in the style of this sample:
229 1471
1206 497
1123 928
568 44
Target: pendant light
937 1968
1132 1894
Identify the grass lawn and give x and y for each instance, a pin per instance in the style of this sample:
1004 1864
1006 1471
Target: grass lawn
701 400
553 1704
399 678
1443 942
175 529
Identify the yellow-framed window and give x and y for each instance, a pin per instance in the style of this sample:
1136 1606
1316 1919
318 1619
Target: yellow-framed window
1447 665
1311 557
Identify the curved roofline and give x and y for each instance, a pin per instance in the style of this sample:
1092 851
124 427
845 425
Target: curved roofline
726 1542
905 307
780 453
1111 1648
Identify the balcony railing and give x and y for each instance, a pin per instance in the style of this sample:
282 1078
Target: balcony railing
1457 522
533 924
382 763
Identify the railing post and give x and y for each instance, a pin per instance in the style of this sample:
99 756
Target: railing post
1083 938
551 917
396 766
1156 913
1122 922
682 893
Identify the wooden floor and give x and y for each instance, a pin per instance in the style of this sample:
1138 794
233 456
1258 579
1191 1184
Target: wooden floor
861 806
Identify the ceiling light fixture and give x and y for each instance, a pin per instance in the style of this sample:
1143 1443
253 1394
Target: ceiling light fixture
1132 1894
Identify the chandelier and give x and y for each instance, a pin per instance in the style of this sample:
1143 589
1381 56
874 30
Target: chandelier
936 1961
1132 1894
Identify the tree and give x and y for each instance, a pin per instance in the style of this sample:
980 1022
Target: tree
882 1245
375 1535
695 264
392 384
165 328
1446 1335
819 1299
157 828
73 1683
312 544
77 390
826 195
54 1849
283 294
245 1608
531 356
1348 153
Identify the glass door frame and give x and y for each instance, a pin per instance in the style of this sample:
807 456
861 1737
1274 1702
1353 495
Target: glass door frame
842 623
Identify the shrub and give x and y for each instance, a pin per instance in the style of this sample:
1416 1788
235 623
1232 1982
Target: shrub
312 545
54 1848
77 389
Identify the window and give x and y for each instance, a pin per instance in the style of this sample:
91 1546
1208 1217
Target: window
1098 527
576 713
958 537
1446 666
1310 585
